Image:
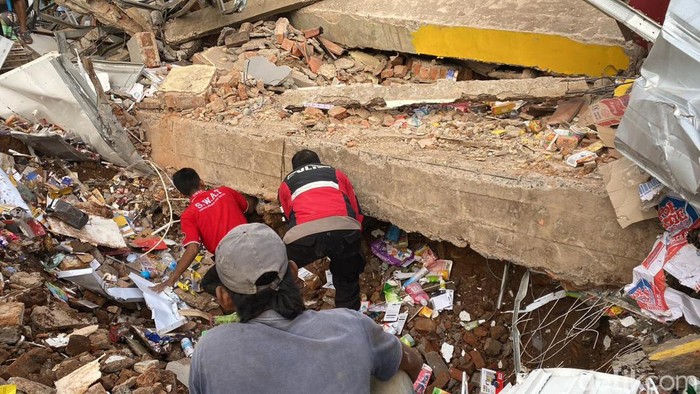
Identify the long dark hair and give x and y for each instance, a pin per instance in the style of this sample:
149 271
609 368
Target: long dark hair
286 300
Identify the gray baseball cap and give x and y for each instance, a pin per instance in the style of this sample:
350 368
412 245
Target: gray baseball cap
247 252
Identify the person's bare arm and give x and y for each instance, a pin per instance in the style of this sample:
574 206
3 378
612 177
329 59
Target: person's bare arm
188 256
411 361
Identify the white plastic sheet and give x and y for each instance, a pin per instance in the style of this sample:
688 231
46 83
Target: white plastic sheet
164 308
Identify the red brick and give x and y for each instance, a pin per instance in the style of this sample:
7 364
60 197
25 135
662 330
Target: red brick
310 33
456 374
315 63
441 379
230 79
331 46
424 73
313 112
481 332
400 71
434 72
388 121
470 339
149 103
143 49
338 112
477 359
242 94
416 66
287 44
424 325
281 29
237 39
304 50
387 73
183 101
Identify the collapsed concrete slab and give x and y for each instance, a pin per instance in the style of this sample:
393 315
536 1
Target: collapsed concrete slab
564 226
581 41
440 92
210 20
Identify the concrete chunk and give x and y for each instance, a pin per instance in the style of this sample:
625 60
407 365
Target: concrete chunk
440 92
209 20
29 386
215 56
194 79
56 318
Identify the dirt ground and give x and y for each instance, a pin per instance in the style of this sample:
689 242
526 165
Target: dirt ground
567 333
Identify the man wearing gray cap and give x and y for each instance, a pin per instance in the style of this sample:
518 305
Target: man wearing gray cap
279 347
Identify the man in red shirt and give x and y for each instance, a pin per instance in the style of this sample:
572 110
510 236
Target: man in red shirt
209 217
324 220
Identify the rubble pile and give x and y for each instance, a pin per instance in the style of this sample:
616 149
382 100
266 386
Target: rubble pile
74 240
461 328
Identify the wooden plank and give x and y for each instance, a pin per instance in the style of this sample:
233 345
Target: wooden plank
209 20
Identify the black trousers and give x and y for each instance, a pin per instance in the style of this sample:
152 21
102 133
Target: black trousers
343 247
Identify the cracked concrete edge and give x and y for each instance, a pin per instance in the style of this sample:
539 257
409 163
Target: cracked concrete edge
209 20
439 92
570 233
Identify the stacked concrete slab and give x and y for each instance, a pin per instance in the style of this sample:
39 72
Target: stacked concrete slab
562 36
561 226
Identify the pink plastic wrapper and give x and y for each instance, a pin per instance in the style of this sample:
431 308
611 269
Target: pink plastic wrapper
421 382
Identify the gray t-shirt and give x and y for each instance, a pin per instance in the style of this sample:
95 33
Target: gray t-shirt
332 351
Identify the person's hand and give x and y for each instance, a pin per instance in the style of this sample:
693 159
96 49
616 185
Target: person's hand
161 286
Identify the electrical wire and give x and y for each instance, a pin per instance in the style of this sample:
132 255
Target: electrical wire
585 323
167 199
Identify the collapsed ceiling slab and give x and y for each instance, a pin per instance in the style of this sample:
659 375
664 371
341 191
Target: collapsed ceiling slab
441 92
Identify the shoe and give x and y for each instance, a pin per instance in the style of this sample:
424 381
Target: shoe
26 37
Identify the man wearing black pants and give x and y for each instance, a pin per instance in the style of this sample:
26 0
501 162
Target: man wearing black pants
324 220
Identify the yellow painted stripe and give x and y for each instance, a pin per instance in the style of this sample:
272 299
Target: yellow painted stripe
676 351
542 51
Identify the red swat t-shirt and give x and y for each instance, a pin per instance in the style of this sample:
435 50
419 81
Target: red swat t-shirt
211 215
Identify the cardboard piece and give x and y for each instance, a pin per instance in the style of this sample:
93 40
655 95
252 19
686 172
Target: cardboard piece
622 179
607 135
606 112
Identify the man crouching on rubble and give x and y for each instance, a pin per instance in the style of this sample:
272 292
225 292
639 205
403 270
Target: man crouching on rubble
281 348
210 215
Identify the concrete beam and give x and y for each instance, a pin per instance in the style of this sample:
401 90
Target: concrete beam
564 36
558 225
209 20
440 92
